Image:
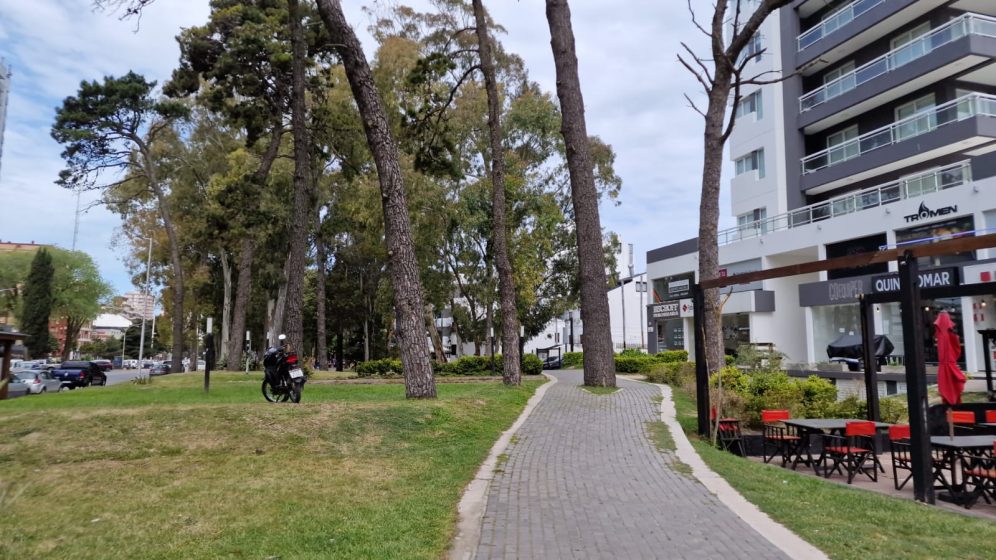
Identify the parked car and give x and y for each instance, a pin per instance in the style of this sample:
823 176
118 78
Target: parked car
38 381
105 365
16 387
130 364
159 369
80 374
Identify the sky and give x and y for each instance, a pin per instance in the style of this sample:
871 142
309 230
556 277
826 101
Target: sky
632 84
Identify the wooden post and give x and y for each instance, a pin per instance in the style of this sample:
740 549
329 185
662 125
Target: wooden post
986 339
916 378
701 367
870 359
208 360
5 368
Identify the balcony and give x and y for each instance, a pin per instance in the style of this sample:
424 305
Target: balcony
843 17
948 128
897 64
854 27
906 188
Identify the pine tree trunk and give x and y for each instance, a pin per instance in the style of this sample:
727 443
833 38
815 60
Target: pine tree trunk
511 374
247 252
242 291
321 344
437 341
709 220
294 313
408 294
226 306
599 363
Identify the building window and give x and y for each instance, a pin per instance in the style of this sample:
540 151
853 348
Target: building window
839 80
752 49
926 122
753 161
752 222
905 47
840 145
750 104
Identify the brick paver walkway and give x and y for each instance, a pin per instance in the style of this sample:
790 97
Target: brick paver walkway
583 480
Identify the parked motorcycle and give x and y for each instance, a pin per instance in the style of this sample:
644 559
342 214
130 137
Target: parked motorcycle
283 378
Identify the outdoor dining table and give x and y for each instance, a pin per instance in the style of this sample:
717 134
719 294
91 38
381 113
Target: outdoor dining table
809 426
950 447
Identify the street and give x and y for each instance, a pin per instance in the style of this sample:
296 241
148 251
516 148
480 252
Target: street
116 376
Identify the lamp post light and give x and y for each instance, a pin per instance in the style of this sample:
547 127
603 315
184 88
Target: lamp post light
145 304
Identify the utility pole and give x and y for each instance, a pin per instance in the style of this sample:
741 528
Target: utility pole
570 317
145 300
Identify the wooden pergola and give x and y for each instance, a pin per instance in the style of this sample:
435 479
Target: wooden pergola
7 340
909 300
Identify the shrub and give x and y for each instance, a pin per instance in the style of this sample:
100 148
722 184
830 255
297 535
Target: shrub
634 364
532 365
632 352
382 367
893 411
469 365
730 360
675 374
573 360
818 396
734 380
851 407
669 356
752 357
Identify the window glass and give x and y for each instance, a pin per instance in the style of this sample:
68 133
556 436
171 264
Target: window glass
846 149
906 48
926 122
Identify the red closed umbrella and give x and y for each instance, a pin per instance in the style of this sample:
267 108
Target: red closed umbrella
950 379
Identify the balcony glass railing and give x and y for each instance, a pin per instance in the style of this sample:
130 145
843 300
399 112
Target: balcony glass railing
919 123
967 24
843 17
909 187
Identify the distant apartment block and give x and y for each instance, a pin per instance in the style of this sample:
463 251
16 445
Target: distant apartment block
137 304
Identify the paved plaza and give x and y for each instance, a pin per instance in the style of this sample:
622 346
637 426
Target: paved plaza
583 480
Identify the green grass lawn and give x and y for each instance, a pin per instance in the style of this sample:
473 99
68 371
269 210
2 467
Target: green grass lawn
846 523
165 471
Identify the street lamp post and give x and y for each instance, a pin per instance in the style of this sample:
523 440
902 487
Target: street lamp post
145 305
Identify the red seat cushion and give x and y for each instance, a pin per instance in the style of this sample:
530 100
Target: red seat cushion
981 473
846 450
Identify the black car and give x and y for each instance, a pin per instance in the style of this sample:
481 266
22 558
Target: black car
80 374
159 369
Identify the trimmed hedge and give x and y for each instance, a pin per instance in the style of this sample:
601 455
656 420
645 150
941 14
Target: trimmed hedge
464 365
634 361
573 360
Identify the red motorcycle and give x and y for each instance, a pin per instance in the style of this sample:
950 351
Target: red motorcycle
283 378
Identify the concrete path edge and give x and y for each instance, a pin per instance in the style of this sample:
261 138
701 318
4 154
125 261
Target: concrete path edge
776 533
470 510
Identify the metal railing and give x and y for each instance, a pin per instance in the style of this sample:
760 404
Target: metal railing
967 24
845 16
908 187
964 107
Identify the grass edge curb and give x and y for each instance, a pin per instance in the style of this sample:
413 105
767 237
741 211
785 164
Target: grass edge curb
474 499
780 536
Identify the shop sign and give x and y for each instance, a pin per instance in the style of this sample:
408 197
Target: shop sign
686 308
666 310
924 213
937 278
834 292
979 273
680 285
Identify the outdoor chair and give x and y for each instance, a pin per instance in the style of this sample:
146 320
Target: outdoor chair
781 439
728 433
900 447
979 475
962 420
854 452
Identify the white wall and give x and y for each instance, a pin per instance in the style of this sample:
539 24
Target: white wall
636 320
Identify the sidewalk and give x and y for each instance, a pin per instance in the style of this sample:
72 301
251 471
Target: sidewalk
583 480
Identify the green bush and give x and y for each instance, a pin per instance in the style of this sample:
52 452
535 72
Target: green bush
818 396
851 407
632 352
634 364
669 356
894 411
532 365
469 365
573 360
381 368
675 374
730 360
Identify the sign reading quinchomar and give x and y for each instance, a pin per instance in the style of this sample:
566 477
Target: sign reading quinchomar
937 278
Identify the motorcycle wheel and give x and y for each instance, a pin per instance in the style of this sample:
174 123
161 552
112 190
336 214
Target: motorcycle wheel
272 394
295 391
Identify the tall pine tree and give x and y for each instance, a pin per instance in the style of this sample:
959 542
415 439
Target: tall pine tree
38 304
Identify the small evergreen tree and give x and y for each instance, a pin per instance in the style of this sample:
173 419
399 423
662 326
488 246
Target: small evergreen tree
38 304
